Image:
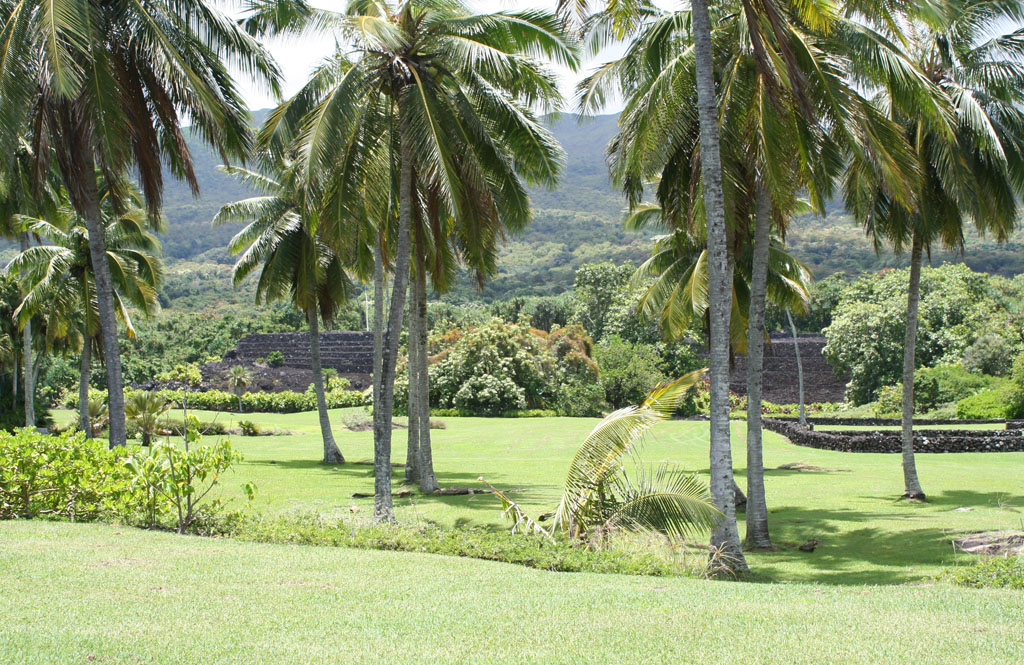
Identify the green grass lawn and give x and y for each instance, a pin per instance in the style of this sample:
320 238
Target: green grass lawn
93 593
866 535
106 595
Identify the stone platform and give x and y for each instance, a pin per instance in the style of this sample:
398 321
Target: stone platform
821 383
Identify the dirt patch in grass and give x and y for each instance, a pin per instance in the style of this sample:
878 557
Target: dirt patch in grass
809 468
367 426
1000 543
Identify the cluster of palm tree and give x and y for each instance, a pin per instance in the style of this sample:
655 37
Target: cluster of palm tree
406 157
738 110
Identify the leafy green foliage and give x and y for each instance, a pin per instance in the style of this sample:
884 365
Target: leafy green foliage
990 354
995 403
993 572
628 370
957 307
181 478
499 367
600 497
275 359
534 551
143 410
62 476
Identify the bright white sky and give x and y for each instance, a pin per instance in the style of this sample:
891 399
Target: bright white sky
298 57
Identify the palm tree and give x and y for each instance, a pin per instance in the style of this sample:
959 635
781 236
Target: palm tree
145 408
22 192
600 496
239 379
971 158
280 240
437 105
61 281
787 113
106 86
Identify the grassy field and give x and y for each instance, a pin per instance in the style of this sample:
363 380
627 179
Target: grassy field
106 595
866 535
92 593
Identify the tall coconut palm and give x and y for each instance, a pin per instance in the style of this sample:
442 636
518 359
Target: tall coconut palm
108 86
60 277
971 158
280 240
23 191
787 112
450 97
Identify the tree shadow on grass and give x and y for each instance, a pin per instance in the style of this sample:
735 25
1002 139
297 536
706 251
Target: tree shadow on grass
361 477
849 556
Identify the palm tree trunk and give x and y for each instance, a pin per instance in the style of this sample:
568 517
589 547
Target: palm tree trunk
83 388
757 507
412 452
378 316
28 382
331 453
799 368
425 463
725 539
383 412
912 484
104 295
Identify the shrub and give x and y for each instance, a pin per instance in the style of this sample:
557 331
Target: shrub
997 572
953 383
143 410
990 354
581 399
890 401
180 479
176 427
866 336
249 428
480 543
64 476
628 371
994 403
275 359
696 402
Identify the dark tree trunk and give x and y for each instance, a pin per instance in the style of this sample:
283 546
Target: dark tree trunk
332 455
912 486
757 506
383 411
83 387
28 380
87 201
412 452
725 539
425 463
799 368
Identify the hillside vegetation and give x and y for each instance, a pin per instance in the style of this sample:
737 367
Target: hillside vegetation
579 222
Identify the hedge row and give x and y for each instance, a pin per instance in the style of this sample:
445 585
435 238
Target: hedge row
287 401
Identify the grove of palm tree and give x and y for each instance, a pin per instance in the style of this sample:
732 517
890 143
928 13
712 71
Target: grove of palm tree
632 426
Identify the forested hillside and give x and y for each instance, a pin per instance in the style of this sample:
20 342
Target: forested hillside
579 222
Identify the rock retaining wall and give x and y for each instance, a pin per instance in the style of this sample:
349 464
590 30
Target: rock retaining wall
925 441
821 383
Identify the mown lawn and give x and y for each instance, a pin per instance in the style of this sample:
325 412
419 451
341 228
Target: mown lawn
104 595
866 535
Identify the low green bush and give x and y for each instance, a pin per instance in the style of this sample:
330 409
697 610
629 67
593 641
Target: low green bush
68 476
534 551
275 359
65 476
248 428
994 403
521 413
997 572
